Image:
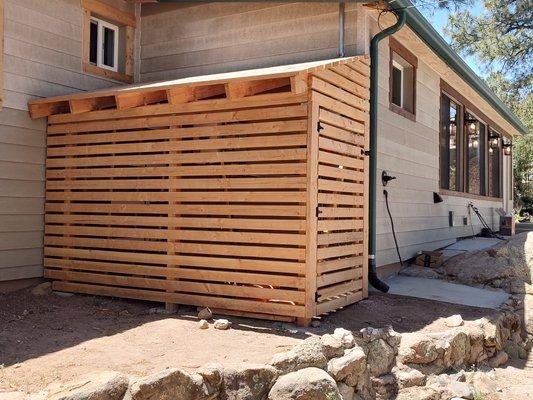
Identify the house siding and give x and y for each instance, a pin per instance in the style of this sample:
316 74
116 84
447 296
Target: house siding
42 58
219 37
409 150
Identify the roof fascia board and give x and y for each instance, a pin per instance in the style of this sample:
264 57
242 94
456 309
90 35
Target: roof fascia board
423 29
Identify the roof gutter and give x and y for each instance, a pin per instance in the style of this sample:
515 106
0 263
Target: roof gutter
416 21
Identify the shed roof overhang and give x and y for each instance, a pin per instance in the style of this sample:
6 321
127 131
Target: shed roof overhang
230 85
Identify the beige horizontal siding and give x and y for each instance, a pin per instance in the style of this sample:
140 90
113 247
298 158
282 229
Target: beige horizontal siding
219 37
410 151
42 58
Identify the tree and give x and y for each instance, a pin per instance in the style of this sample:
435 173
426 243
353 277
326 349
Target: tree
501 39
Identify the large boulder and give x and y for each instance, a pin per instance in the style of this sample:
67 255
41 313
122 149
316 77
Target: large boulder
417 348
345 336
305 384
171 384
380 358
102 386
247 383
351 365
309 353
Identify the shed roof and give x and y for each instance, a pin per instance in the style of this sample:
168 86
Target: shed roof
229 84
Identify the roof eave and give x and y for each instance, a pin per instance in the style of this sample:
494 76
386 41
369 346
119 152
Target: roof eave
423 29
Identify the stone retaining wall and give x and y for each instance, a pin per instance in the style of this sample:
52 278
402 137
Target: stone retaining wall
370 364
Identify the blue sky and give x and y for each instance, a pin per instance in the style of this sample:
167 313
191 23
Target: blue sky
439 17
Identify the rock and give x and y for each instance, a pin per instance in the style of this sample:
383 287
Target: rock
42 289
455 347
380 357
205 313
203 324
346 337
483 384
491 332
351 365
528 313
309 353
449 387
247 383
170 384
315 323
500 358
417 348
212 374
454 321
388 334
514 350
102 386
408 377
418 393
385 386
332 346
346 392
305 384
222 324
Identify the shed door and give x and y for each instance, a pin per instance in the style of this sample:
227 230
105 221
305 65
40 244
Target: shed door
342 188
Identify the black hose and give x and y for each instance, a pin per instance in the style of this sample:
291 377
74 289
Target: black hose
386 194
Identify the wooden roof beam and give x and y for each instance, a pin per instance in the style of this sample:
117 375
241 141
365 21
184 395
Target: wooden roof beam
235 90
132 100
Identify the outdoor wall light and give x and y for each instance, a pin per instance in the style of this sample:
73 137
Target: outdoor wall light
507 149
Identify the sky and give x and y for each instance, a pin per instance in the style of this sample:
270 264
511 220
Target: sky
439 17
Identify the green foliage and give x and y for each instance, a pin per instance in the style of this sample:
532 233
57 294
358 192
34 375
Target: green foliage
501 38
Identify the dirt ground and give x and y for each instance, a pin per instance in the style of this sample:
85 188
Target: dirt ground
46 340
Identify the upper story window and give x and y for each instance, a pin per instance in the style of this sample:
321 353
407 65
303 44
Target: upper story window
402 87
103 46
108 35
471 151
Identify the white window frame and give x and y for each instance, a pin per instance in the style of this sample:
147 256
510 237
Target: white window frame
400 67
100 44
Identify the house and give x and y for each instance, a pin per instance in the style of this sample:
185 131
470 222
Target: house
440 130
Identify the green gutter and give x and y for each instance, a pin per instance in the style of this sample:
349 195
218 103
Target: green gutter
373 278
423 29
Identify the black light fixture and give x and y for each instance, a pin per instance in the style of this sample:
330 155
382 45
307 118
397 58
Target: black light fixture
437 198
507 148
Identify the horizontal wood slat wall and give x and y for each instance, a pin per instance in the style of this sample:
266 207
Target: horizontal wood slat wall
341 93
206 208
211 202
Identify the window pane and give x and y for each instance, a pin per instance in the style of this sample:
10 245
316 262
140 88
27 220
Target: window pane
396 86
495 151
93 42
109 47
475 155
408 89
449 145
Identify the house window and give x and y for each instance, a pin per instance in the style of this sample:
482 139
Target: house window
104 44
494 163
108 35
402 88
475 154
471 151
450 143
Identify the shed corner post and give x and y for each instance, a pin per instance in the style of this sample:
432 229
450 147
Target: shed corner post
312 208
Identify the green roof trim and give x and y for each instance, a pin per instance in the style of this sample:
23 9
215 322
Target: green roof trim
421 26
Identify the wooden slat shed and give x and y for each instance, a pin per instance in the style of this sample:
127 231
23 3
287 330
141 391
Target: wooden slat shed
244 192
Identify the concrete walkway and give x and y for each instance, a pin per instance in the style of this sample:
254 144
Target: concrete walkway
435 289
471 244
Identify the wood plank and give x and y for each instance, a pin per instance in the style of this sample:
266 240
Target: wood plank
186 119
196 300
